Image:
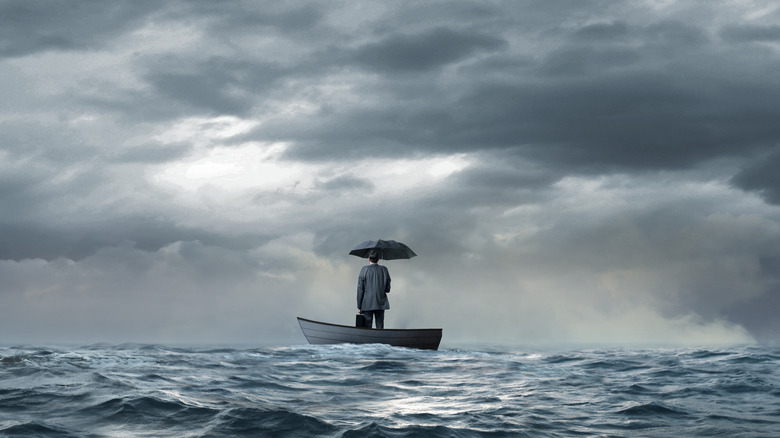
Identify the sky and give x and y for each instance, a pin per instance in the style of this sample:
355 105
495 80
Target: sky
568 172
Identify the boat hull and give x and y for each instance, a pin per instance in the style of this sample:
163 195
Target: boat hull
325 333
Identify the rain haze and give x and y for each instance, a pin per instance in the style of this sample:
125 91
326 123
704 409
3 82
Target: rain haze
568 172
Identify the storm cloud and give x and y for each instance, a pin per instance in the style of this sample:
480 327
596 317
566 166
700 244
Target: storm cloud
567 172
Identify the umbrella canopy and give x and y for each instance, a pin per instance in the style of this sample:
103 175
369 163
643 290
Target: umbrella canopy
388 249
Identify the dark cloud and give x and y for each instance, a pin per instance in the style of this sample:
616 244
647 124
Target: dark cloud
582 61
27 27
758 315
200 91
603 31
656 96
651 120
631 120
176 87
762 176
216 86
504 181
151 153
50 240
673 36
426 51
750 33
289 18
578 161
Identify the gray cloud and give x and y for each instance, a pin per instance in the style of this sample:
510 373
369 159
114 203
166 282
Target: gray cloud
603 31
750 33
584 103
151 152
49 241
28 27
286 18
763 177
580 61
346 183
604 170
218 86
434 48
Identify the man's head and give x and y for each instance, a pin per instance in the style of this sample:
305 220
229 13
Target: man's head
373 256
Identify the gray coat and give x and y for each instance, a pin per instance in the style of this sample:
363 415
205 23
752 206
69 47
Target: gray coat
373 287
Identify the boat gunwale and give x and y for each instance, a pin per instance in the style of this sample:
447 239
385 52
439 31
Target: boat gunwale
368 328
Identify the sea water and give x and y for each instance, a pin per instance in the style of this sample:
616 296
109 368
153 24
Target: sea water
377 390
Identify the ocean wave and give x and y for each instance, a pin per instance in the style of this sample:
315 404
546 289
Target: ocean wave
376 390
260 422
651 409
34 429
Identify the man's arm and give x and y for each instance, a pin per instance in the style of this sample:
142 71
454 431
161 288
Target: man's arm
387 285
361 288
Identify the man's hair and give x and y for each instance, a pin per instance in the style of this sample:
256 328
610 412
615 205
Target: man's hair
373 256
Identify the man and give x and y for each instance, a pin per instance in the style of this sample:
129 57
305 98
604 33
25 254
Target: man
372 290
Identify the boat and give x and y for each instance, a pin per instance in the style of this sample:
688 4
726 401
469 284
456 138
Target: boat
325 333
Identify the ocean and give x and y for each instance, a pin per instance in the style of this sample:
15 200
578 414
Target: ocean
382 391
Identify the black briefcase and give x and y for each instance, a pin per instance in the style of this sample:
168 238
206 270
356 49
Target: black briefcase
362 321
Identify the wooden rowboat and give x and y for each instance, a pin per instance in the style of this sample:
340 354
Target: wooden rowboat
324 333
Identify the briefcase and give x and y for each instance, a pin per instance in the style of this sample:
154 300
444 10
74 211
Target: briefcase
362 321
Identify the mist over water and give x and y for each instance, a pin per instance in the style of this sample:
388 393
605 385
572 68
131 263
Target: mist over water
376 390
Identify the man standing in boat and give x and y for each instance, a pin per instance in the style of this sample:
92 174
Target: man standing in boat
372 290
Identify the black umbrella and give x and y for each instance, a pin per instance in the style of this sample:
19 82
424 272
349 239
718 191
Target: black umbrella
388 249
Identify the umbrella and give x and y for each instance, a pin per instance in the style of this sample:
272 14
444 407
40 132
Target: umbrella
388 249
